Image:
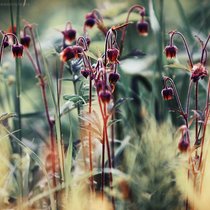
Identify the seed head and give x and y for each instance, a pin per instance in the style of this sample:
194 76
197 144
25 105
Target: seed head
199 71
170 51
142 27
167 93
17 50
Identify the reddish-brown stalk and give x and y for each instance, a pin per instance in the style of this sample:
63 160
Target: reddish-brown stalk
172 33
42 84
141 9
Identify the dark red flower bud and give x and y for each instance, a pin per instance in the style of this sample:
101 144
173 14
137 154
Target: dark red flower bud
17 50
105 96
167 93
25 41
170 51
69 35
78 51
85 73
142 27
183 145
88 41
6 43
99 85
67 54
113 78
90 22
113 54
199 71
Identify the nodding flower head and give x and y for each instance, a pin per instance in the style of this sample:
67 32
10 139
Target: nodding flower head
25 41
170 51
113 78
85 72
98 85
199 71
90 20
69 35
6 42
142 27
78 51
17 50
184 143
105 96
167 93
67 54
112 55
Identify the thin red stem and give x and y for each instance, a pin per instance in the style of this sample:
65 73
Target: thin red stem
185 44
44 96
139 8
90 134
204 49
196 109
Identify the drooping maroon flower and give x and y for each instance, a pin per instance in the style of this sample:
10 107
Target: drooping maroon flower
78 51
90 20
167 93
69 35
17 50
85 72
113 78
105 96
184 143
199 71
112 55
67 54
170 51
25 41
142 27
6 42
98 85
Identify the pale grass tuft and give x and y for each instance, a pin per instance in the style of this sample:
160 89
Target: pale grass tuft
5 155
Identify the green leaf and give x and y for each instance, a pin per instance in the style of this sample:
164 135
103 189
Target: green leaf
153 19
177 66
91 55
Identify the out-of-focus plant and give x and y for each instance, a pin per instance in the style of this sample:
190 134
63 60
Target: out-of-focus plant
192 144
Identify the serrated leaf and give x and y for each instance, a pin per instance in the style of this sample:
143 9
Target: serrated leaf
74 98
177 66
112 122
120 102
91 55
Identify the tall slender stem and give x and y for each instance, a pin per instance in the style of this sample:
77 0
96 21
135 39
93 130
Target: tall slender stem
204 48
90 133
196 109
38 72
185 44
142 11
